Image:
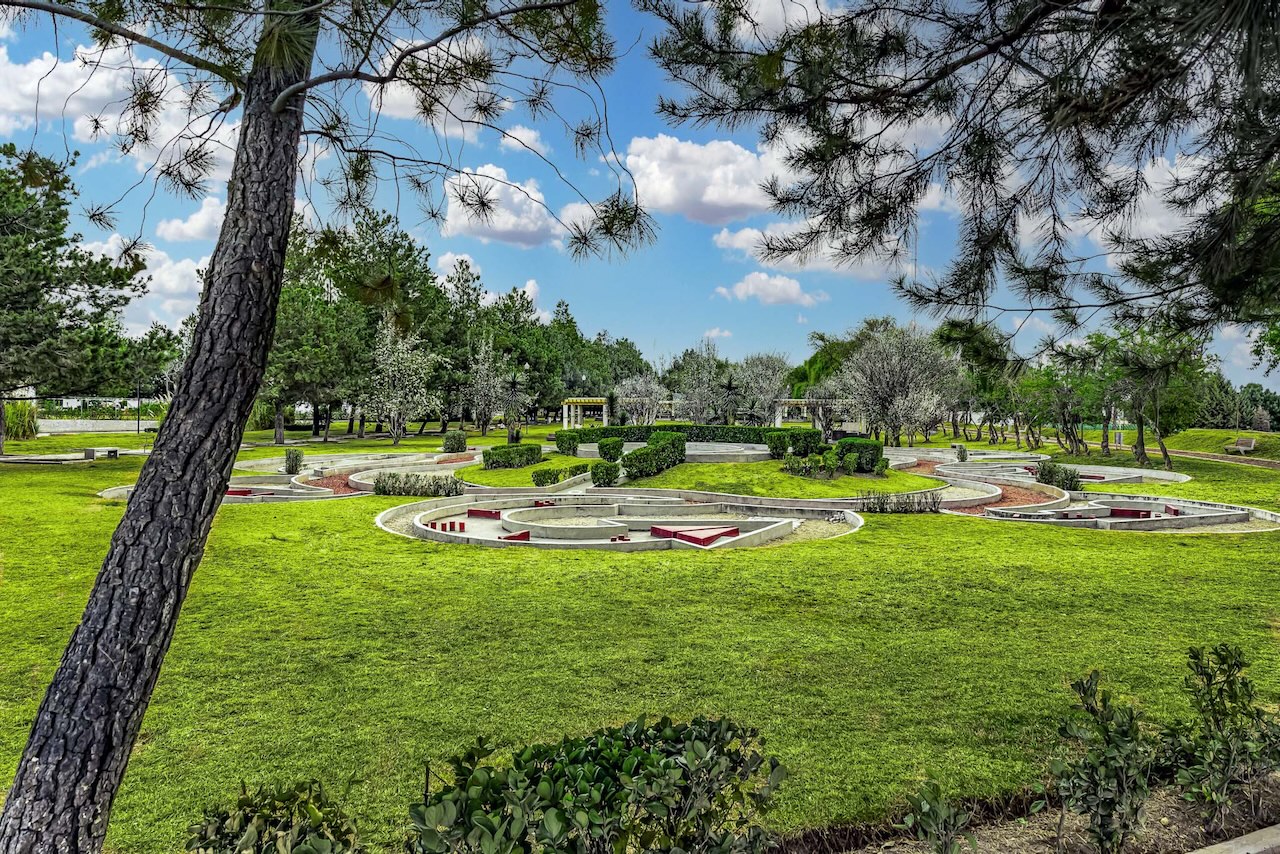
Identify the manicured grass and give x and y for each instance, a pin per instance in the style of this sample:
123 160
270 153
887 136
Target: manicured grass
1232 483
1266 445
768 478
481 476
313 644
63 443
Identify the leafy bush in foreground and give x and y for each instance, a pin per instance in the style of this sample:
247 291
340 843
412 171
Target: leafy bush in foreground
512 456
866 453
1056 474
778 441
547 477
610 449
301 819
700 786
932 819
1110 779
292 460
567 442
455 441
21 420
417 485
875 501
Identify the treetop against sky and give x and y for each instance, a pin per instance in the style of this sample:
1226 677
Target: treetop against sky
702 186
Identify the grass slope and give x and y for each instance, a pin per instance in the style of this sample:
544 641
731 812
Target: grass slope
481 476
767 478
313 644
1266 445
1232 483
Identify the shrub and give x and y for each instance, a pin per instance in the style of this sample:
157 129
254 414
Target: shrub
1055 474
795 464
962 454
513 456
417 485
1231 744
692 432
881 467
805 441
875 501
20 420
830 463
301 819
576 469
670 448
455 441
932 819
567 442
605 473
866 452
700 786
546 477
1109 780
778 442
292 460
642 462
610 449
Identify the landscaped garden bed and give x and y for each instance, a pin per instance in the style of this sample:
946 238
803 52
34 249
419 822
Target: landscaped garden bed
522 476
768 479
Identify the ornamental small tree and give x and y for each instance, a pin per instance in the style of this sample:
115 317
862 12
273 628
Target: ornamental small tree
400 385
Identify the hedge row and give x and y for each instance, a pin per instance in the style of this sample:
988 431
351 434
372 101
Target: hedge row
455 441
512 456
546 477
417 485
868 452
605 474
665 449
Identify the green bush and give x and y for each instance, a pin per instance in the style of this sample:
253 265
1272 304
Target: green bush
642 462
962 454
576 469
21 420
455 441
692 432
866 452
605 473
301 819
805 441
292 460
881 467
610 449
695 787
830 463
567 442
546 477
1055 474
778 441
1231 745
664 450
875 501
262 416
512 456
1109 779
417 485
932 819
796 464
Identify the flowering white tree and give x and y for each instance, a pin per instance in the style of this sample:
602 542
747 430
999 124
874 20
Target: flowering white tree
486 385
400 384
823 396
761 380
639 398
702 395
897 379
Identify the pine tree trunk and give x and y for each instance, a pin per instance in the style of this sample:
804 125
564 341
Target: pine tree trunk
279 423
360 432
80 742
1140 442
3 424
328 420
315 420
351 422
1106 432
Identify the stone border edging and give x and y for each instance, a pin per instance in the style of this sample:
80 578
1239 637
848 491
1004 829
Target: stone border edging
1265 841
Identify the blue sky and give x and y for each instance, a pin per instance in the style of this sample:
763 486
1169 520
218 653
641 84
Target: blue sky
701 185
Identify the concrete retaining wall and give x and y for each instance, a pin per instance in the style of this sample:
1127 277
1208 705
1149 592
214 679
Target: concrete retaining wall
57 426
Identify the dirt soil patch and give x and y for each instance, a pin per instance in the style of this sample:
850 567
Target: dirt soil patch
337 482
1011 496
1171 826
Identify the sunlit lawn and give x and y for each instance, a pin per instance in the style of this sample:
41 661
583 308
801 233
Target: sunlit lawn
768 478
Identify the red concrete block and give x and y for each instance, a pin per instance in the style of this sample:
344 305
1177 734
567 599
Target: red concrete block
431 525
239 493
705 536
1126 513
521 536
1170 510
462 527
480 513
544 504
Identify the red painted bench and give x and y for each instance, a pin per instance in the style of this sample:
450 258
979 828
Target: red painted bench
239 493
519 536
480 513
1127 513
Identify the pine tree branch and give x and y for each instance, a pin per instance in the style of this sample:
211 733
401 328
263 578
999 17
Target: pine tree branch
411 50
127 34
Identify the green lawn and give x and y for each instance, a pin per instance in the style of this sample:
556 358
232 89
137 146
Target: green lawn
1232 483
314 644
516 477
1267 445
767 478
67 442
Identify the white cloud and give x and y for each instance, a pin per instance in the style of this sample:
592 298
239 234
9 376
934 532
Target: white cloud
744 244
520 138
801 319
529 289
48 88
446 263
203 224
455 115
714 183
519 215
771 290
717 332
174 289
1235 343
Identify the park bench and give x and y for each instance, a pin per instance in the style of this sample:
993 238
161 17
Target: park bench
1242 446
105 453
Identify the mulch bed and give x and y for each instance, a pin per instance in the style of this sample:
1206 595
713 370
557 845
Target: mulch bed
338 483
1013 496
1171 826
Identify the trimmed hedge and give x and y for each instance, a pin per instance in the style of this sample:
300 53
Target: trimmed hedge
576 469
512 456
778 441
605 473
292 460
455 441
691 432
805 441
867 452
417 485
611 449
546 477
665 449
567 442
